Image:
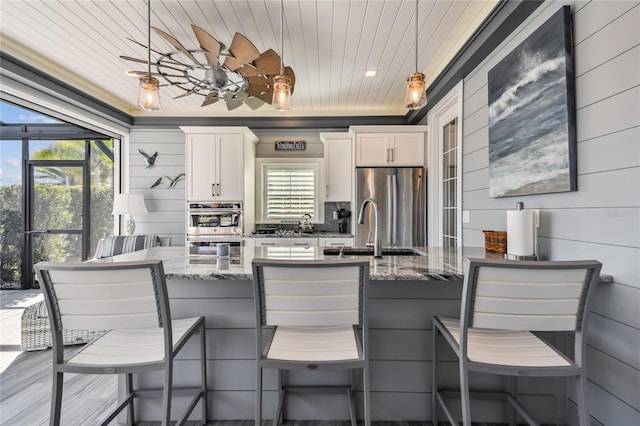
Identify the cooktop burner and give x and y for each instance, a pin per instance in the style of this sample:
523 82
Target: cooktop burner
280 231
267 230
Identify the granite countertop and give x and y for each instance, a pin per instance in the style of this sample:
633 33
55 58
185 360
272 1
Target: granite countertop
298 234
437 264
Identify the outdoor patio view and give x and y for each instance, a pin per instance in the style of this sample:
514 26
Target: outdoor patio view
48 188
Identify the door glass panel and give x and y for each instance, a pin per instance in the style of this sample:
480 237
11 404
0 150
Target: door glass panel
57 150
59 190
450 185
57 248
11 223
101 206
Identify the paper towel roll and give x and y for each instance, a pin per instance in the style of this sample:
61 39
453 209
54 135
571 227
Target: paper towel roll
520 232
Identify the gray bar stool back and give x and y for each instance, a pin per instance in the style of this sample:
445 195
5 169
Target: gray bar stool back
316 314
129 300
503 303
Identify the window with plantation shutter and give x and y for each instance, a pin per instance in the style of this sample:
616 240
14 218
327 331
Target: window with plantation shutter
290 191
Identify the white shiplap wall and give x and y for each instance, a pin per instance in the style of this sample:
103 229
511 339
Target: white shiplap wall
602 219
166 207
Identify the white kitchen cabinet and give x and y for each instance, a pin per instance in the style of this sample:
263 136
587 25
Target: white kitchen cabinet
220 166
338 166
285 242
215 167
335 242
389 146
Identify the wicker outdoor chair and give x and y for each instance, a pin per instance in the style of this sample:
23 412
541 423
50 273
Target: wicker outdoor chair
35 327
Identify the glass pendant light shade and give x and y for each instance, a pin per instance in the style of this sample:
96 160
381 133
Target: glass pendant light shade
416 92
416 96
281 99
281 93
149 94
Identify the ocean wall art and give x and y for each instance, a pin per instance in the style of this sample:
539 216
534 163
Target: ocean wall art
532 131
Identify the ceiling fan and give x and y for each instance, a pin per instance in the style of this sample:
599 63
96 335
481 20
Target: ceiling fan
242 75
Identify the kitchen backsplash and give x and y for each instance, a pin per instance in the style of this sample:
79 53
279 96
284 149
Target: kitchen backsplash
330 224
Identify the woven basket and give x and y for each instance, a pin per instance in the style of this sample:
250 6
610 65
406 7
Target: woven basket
36 330
495 241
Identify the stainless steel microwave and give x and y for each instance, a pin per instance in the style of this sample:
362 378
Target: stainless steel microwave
212 218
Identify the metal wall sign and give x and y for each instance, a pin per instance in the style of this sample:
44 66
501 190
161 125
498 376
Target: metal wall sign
291 145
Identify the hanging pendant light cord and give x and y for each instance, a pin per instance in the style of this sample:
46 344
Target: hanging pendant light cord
416 36
281 37
149 37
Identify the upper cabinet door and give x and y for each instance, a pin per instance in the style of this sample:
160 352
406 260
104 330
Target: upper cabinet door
338 169
230 165
389 149
372 150
201 173
407 149
215 167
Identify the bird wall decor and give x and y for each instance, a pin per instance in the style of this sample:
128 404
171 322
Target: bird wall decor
149 160
170 182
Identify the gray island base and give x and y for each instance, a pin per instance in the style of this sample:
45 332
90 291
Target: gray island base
404 294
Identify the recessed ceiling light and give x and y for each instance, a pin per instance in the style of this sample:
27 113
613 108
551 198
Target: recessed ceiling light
370 73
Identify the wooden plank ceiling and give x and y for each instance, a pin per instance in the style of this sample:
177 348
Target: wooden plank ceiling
328 43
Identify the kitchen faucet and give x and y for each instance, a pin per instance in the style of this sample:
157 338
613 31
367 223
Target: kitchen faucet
377 248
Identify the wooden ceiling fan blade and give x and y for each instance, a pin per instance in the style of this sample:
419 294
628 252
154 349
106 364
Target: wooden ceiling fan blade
260 83
242 95
144 61
288 71
142 73
254 103
208 43
233 63
268 62
248 70
264 95
175 43
187 93
144 45
231 102
129 58
211 98
242 50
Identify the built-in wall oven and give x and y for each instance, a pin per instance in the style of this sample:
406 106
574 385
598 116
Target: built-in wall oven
210 224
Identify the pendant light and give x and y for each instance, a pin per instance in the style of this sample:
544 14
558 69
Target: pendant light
281 83
149 88
416 91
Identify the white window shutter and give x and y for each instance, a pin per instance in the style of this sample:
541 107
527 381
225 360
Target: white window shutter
290 191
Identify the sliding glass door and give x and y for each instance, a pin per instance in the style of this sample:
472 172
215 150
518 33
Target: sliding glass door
56 193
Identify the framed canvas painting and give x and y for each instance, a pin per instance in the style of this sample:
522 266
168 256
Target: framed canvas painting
532 130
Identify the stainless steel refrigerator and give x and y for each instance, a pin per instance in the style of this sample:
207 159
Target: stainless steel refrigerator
400 193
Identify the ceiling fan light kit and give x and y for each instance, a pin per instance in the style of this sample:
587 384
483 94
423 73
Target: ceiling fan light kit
149 87
416 97
416 94
241 76
149 93
281 93
281 83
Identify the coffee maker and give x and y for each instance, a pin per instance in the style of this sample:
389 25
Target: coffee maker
343 220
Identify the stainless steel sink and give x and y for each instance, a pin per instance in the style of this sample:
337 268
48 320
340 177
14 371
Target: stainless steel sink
368 251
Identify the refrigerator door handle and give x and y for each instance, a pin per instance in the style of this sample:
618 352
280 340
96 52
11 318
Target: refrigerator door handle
394 208
389 208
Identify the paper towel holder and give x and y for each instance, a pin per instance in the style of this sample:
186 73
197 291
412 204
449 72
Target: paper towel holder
536 225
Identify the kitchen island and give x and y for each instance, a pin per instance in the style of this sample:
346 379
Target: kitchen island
404 294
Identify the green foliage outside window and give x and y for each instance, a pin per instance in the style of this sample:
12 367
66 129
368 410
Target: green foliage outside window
51 247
